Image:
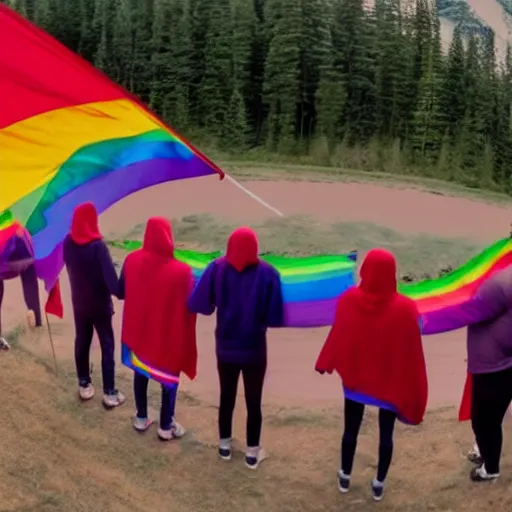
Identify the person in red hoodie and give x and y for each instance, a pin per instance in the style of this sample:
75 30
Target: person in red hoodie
93 280
375 346
157 325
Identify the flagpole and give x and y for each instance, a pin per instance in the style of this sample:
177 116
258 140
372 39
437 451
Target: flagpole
51 344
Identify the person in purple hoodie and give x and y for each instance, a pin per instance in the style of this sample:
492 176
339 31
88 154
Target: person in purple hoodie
17 259
93 279
247 295
488 315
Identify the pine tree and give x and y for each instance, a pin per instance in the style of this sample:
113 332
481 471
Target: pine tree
218 81
354 43
282 87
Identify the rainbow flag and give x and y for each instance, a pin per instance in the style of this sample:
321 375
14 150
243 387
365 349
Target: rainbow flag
312 285
68 135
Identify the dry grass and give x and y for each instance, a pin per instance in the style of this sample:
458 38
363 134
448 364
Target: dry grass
420 256
59 455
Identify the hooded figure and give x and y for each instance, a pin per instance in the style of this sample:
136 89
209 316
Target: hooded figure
247 295
488 390
93 280
17 259
157 325
375 346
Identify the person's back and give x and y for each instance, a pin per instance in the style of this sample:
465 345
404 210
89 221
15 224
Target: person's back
375 346
93 280
247 295
157 326
92 277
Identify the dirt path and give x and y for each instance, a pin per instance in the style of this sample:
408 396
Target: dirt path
292 353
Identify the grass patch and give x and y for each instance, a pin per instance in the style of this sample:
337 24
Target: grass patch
419 256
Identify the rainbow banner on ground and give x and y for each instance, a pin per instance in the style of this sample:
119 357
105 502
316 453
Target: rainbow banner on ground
68 135
440 301
311 285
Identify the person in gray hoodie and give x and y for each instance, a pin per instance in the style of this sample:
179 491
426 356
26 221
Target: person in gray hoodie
488 316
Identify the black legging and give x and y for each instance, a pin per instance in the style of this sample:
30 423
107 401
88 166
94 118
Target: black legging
30 294
354 412
253 375
491 396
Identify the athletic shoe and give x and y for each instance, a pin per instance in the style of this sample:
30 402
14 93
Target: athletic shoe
377 490
225 449
113 400
175 432
474 456
142 424
343 482
480 475
253 457
3 344
86 392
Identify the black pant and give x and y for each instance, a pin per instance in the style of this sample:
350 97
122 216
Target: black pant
254 376
30 294
354 412
492 394
84 327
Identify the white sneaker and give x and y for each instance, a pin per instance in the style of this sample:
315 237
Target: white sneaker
3 344
253 457
113 400
225 449
86 392
142 424
480 475
176 432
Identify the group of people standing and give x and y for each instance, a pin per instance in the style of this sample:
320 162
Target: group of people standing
374 344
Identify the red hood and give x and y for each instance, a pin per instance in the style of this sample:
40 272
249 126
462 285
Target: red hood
84 226
378 280
242 248
158 237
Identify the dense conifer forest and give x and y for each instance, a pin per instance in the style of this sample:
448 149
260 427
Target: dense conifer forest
330 82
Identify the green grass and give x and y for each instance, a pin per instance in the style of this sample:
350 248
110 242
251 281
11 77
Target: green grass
418 256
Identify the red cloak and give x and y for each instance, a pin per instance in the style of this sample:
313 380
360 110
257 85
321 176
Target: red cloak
84 226
375 343
157 325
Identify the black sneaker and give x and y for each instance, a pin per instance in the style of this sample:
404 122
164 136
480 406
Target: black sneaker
480 475
225 453
377 490
343 482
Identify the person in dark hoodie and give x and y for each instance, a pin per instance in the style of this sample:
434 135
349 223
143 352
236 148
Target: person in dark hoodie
157 325
93 281
375 346
488 315
247 295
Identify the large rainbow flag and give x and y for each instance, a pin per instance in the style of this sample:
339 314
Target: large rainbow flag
311 285
68 134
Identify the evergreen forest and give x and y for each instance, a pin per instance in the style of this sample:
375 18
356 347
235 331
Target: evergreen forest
325 82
